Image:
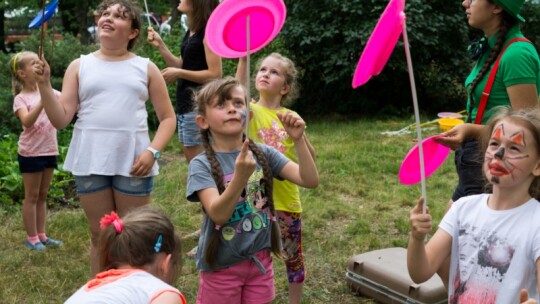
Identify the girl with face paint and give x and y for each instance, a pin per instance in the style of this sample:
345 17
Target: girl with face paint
492 240
516 83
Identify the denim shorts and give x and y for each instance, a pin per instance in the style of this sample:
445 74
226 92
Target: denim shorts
468 161
35 164
188 131
129 185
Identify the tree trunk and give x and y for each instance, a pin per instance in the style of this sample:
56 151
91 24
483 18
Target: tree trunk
174 12
2 32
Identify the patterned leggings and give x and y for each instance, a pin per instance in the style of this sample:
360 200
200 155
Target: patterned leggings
291 237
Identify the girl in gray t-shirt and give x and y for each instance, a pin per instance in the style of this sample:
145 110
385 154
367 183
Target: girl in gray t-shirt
233 182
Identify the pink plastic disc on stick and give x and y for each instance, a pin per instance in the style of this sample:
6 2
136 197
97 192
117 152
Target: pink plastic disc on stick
226 31
434 156
381 43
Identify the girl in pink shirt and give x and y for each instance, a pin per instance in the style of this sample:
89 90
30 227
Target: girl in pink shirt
37 150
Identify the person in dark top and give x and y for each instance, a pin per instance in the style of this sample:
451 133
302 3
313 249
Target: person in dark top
196 65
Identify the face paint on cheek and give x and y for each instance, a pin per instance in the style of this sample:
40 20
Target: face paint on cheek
243 114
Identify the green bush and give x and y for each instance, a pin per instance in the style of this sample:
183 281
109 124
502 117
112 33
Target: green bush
327 46
10 123
531 28
11 185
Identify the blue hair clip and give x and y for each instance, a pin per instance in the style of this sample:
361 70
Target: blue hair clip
159 242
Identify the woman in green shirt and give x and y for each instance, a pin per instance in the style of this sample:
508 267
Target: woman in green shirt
516 83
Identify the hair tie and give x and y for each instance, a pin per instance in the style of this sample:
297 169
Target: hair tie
218 227
112 219
273 218
159 242
15 62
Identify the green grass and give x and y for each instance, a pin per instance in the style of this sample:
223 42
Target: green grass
359 206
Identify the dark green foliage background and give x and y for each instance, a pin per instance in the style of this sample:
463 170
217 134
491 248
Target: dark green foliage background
326 39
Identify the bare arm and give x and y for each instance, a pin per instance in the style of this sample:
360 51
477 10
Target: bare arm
310 148
455 137
523 96
29 118
241 73
60 111
154 39
221 207
424 260
168 297
305 173
214 70
162 104
159 96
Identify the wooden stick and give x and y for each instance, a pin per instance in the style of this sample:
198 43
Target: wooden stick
417 117
42 34
248 89
147 14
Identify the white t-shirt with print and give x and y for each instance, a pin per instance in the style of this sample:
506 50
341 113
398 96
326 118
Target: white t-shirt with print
493 252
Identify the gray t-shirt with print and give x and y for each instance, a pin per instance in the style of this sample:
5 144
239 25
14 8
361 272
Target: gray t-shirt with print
248 230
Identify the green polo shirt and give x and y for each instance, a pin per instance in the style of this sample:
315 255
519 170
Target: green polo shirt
519 65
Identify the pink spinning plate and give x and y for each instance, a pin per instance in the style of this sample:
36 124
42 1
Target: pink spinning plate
381 43
226 31
434 156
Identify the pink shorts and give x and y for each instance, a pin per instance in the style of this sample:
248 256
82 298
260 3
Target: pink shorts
241 283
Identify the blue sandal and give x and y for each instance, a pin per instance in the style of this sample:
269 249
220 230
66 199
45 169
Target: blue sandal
53 242
38 246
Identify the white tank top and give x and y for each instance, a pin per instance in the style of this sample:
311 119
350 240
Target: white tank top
111 129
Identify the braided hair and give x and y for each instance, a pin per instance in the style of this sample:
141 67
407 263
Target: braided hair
507 22
220 89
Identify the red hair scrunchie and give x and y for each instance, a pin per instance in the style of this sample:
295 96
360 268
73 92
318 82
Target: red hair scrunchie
111 219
